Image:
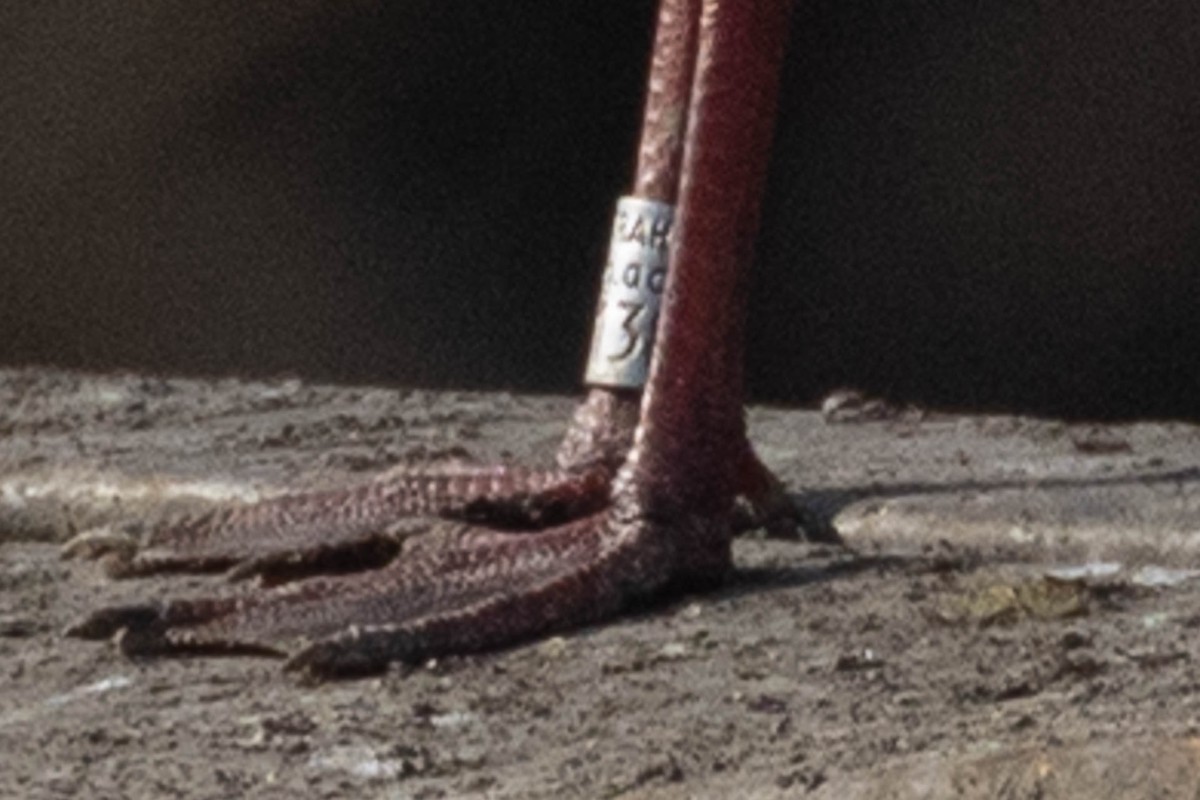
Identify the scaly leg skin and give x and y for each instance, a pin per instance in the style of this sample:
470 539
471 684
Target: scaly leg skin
668 523
364 525
293 534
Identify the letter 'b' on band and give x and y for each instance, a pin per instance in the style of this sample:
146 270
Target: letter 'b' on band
630 294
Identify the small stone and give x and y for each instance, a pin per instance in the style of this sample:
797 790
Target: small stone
674 650
866 659
553 648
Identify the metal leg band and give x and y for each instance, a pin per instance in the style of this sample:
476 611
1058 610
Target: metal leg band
630 294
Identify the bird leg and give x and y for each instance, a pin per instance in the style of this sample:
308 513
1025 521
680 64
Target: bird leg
363 526
664 520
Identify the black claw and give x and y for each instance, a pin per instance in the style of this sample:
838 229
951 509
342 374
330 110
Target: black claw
107 622
352 654
331 659
147 640
817 528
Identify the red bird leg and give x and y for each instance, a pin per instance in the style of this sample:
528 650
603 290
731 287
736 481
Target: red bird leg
668 527
602 428
363 526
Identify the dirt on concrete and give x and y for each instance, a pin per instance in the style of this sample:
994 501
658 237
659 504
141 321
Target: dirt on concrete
1017 615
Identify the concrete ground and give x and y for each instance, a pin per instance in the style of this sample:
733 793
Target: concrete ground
1015 617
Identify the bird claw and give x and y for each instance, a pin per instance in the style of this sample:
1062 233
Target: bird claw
794 522
144 630
351 653
817 528
137 631
763 503
114 545
130 549
106 623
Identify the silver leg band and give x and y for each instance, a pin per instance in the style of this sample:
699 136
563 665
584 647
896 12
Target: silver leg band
630 294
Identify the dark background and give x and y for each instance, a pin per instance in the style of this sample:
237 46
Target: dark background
984 205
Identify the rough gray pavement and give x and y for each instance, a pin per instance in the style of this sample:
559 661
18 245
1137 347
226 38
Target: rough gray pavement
1017 618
